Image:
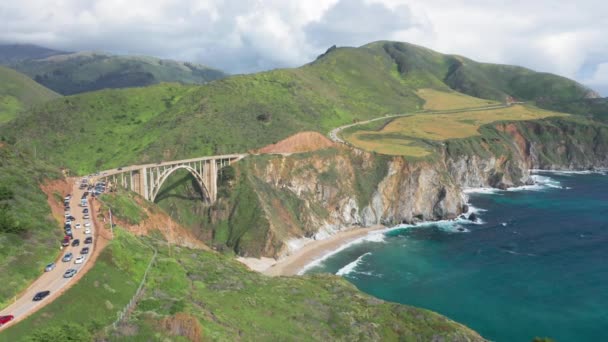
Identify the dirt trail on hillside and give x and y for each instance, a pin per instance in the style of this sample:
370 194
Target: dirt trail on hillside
297 143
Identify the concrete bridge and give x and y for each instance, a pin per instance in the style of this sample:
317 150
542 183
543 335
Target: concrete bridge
147 179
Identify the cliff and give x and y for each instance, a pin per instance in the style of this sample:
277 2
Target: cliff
277 202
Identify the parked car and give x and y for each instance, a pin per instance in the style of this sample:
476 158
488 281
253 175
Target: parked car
88 240
6 319
79 260
75 243
69 273
49 267
84 250
67 257
85 210
86 216
71 218
66 241
87 224
77 226
87 231
41 295
68 197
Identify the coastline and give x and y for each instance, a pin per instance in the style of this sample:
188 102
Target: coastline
312 251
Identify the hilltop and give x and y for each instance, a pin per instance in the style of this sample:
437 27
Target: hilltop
246 112
14 53
18 92
77 72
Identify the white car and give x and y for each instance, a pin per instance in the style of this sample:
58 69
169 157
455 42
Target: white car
86 216
79 260
87 231
67 213
87 224
78 226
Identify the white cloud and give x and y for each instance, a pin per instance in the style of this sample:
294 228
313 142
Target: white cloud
563 37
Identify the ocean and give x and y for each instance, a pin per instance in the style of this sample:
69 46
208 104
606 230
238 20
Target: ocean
534 265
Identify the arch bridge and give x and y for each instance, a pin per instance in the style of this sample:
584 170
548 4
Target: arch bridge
147 179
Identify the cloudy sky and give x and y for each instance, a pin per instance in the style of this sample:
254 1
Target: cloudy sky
563 37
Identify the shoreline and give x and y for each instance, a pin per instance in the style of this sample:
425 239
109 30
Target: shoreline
317 250
309 253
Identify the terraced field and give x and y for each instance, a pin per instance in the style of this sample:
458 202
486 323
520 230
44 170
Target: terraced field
441 100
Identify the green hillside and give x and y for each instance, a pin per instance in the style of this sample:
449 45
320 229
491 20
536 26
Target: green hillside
111 128
488 81
14 53
29 235
88 71
18 92
194 295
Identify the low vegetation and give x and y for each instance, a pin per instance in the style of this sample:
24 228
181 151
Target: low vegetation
29 235
73 73
18 92
444 100
93 303
111 128
230 302
414 135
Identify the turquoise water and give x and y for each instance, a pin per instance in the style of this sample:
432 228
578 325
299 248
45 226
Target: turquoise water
536 266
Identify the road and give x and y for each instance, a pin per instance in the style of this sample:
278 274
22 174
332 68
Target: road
53 280
334 133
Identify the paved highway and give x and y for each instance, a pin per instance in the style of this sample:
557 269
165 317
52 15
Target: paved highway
54 280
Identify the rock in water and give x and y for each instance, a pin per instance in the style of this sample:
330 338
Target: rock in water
473 217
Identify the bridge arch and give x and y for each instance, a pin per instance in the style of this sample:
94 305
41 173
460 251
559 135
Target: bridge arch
158 183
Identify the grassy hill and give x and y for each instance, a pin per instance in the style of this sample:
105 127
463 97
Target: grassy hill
18 92
195 295
14 53
111 128
29 235
87 71
483 80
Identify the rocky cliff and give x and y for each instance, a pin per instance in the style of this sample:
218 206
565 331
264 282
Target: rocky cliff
277 202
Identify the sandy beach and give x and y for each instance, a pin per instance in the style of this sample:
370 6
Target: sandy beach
293 263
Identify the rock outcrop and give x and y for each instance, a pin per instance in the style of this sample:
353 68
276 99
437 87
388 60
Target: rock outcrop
312 195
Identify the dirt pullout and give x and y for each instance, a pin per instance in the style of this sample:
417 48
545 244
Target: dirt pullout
158 220
299 142
55 190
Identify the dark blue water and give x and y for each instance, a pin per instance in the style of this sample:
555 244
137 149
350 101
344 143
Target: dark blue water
537 266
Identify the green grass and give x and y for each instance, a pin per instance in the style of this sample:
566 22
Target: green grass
124 206
111 128
34 237
18 92
93 302
231 303
81 72
413 135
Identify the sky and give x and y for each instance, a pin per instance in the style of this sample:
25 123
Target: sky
242 36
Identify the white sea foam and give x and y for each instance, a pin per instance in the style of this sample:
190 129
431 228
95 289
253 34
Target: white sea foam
351 266
567 172
376 236
480 190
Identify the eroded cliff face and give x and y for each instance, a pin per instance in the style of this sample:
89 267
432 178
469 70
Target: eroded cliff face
312 195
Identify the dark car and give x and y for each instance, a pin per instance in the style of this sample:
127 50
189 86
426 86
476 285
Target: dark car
84 250
6 319
71 218
88 240
75 243
41 295
85 210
